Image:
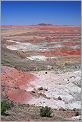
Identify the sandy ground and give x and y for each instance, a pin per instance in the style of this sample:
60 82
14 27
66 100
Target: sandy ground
63 85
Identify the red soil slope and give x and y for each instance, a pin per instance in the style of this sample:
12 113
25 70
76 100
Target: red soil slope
15 83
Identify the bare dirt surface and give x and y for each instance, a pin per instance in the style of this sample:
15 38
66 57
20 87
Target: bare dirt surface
41 67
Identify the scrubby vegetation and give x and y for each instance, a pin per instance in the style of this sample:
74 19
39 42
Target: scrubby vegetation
77 113
5 106
45 112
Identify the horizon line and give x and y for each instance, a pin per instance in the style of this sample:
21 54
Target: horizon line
41 25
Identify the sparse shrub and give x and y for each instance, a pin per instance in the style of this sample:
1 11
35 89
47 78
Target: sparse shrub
33 91
77 113
41 88
45 89
5 106
62 109
45 111
45 72
66 64
59 98
74 109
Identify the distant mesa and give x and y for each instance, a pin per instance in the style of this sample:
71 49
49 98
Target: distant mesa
44 24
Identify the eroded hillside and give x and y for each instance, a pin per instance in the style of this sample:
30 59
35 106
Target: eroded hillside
41 67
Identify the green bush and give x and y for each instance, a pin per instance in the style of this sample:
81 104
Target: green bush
77 113
5 106
45 112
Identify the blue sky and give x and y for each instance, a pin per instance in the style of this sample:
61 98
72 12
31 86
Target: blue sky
51 12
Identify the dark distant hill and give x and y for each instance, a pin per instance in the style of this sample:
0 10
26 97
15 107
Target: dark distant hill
44 24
